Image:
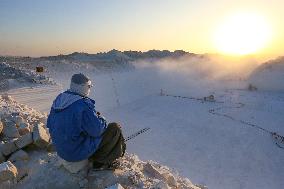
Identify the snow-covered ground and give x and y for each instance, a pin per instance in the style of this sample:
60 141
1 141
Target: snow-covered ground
210 149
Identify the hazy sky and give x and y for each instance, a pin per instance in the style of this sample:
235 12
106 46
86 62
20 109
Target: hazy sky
41 27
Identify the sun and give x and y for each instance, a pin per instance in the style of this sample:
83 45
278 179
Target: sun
242 33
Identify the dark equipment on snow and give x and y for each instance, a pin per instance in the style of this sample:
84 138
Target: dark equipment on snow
209 98
252 88
279 140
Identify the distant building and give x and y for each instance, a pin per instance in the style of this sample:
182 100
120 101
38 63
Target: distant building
39 69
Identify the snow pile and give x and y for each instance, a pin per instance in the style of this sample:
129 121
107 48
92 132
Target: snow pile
269 76
11 109
12 77
135 173
113 60
101 61
25 163
47 171
20 128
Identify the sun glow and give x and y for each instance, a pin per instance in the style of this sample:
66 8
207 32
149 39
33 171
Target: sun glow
243 33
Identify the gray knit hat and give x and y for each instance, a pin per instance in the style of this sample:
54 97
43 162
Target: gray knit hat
80 84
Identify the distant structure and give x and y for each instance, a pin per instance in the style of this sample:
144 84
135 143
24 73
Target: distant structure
252 88
210 98
162 93
39 69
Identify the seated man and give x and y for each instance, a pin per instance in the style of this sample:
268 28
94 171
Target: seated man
79 132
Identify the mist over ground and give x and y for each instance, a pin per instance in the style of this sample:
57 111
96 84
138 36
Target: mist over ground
195 76
269 76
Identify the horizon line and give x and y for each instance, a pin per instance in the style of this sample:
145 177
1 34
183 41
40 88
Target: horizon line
122 51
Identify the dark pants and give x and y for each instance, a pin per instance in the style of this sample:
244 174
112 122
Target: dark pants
111 147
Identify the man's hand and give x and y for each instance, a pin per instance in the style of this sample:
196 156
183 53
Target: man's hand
119 125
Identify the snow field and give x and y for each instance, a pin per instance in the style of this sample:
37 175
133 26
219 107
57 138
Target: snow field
209 149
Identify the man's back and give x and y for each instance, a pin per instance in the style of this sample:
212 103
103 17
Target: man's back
74 126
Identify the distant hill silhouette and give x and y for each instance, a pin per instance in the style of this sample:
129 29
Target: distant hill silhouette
118 56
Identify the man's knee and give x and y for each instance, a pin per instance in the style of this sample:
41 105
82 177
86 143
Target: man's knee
114 127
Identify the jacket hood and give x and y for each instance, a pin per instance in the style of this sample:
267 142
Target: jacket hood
64 100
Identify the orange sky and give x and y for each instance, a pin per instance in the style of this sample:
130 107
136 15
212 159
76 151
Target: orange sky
38 28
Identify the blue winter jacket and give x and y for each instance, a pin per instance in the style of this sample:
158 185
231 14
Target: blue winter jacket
74 126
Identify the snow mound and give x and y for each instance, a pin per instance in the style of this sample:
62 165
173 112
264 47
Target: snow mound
269 76
8 107
13 77
46 171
